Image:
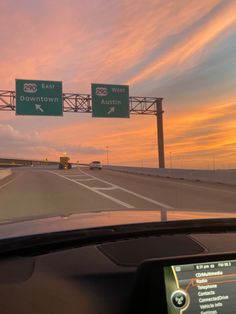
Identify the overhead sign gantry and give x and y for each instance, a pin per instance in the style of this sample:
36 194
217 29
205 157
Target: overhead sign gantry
82 103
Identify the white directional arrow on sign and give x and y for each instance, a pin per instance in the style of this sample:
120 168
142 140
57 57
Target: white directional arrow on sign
38 108
112 109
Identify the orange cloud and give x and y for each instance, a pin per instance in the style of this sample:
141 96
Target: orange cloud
193 139
203 135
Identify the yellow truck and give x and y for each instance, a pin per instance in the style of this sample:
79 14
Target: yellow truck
64 163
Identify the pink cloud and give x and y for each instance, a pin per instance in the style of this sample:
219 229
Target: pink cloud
74 42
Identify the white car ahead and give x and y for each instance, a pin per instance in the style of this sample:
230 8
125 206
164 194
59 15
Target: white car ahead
95 165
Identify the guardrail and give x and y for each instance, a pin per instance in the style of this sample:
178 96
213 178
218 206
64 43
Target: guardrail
209 176
5 173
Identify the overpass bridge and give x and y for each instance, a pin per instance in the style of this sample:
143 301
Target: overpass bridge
19 162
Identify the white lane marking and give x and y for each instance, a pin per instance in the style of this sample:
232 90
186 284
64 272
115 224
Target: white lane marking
81 180
133 193
95 191
2 186
110 188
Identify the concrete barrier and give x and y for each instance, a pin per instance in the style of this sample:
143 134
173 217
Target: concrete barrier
4 173
209 176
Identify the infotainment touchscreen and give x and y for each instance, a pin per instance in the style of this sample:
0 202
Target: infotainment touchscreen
204 288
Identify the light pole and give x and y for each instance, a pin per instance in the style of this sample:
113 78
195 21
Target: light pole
107 147
171 160
160 133
214 162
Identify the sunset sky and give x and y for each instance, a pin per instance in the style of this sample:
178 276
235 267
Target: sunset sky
181 50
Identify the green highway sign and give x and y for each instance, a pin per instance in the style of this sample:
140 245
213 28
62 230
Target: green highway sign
110 101
39 98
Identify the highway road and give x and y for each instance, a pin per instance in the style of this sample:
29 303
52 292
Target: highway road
48 191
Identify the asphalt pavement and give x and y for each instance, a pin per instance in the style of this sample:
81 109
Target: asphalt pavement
48 191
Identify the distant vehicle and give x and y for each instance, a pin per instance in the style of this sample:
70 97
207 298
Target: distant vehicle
64 163
95 165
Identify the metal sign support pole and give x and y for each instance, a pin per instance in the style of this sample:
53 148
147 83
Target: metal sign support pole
160 134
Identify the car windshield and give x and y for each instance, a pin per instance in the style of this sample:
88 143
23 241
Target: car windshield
111 106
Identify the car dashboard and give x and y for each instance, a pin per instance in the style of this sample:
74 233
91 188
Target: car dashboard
174 272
